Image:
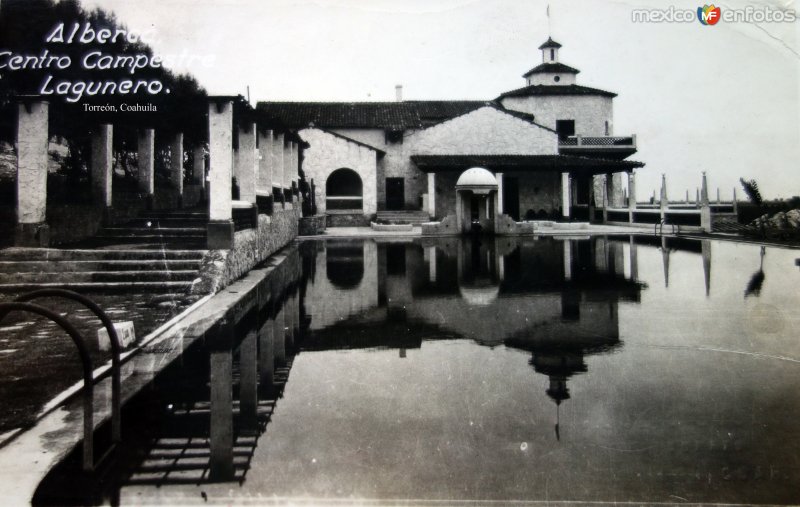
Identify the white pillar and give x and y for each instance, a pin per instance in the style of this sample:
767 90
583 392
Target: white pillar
102 164
176 166
248 164
663 202
432 194
565 194
287 164
567 260
264 181
199 166
499 177
32 144
220 135
145 151
631 190
277 169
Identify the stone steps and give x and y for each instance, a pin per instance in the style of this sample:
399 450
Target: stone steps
159 287
162 257
414 217
98 276
60 266
56 254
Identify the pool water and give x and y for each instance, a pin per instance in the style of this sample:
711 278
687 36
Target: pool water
619 369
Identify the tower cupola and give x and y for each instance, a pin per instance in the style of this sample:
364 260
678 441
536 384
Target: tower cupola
550 71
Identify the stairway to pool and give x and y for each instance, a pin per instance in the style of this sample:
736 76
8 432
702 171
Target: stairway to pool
157 253
414 217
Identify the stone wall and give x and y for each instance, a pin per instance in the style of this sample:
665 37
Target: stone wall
590 112
312 226
251 246
348 220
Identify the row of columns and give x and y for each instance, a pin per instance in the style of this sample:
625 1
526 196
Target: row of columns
265 164
32 169
264 347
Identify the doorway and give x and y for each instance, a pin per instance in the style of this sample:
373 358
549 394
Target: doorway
395 194
511 197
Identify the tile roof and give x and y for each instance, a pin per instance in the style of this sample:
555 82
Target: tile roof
550 43
572 89
431 163
551 67
383 115
380 152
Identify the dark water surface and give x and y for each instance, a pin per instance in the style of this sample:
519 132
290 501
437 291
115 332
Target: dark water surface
602 369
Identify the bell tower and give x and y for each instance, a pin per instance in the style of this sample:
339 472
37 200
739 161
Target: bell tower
550 72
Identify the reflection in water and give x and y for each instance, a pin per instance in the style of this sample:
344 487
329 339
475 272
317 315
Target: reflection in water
477 368
757 280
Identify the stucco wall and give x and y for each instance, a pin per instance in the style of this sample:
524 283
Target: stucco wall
590 112
328 153
540 191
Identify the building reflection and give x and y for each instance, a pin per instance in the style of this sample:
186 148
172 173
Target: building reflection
556 299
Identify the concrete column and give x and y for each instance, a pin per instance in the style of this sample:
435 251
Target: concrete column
606 202
199 166
265 163
565 194
221 431
295 171
247 163
176 166
665 260
277 169
459 211
146 153
631 195
615 197
567 260
431 254
705 250
432 194
266 357
499 177
32 144
705 209
634 259
220 135
287 165
288 323
102 164
248 383
663 202
279 336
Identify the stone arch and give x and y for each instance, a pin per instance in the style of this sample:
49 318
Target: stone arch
344 190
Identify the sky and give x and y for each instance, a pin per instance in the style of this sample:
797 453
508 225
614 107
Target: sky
722 99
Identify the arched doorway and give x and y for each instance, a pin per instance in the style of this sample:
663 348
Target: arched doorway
344 190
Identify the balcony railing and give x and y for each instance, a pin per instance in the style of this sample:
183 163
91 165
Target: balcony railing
601 142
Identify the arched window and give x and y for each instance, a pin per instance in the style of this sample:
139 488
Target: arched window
345 264
344 190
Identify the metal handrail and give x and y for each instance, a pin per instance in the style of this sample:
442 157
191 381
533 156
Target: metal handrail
88 381
116 349
658 230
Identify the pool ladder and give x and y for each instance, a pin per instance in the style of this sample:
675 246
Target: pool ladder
23 304
658 229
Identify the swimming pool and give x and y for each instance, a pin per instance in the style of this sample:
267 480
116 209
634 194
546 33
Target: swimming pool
596 369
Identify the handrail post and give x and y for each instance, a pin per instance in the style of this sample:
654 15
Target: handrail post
86 360
116 349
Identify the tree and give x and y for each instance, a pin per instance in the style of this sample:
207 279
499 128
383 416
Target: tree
751 190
